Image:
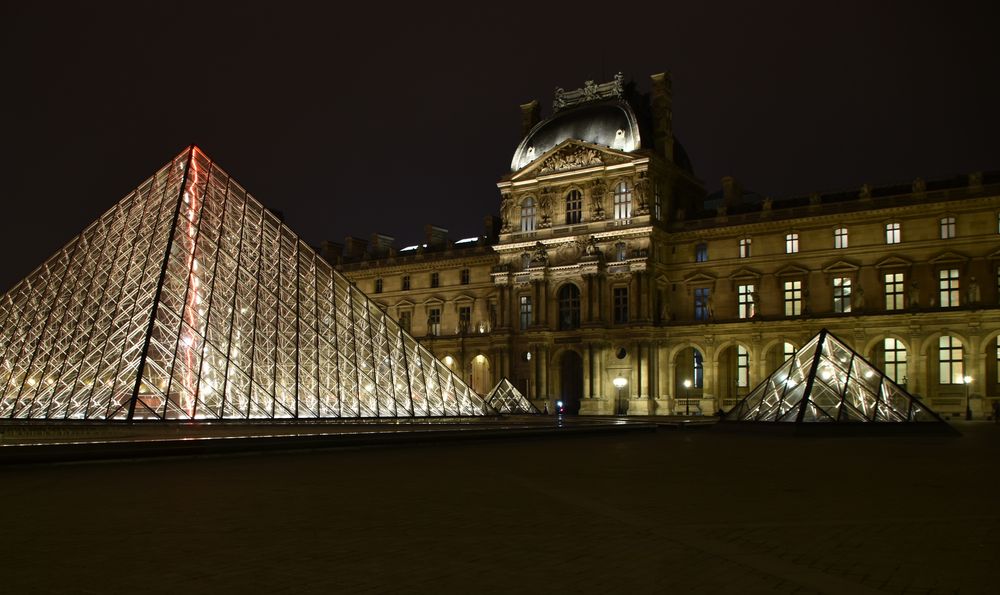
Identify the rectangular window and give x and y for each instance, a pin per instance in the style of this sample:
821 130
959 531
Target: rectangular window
465 276
788 350
894 291
950 360
701 252
948 288
793 298
406 283
701 309
841 294
621 305
435 280
378 286
574 207
892 233
623 201
742 367
745 248
657 202
744 301
895 360
840 238
405 320
791 243
525 312
434 322
947 228
464 318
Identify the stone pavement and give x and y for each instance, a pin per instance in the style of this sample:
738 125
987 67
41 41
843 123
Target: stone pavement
673 511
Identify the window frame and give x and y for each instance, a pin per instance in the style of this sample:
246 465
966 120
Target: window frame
525 313
574 207
948 226
465 277
620 304
701 299
894 300
951 369
792 242
746 308
840 238
949 288
842 291
622 201
792 296
745 246
435 279
893 232
528 213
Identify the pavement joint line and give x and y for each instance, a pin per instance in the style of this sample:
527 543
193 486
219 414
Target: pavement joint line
802 576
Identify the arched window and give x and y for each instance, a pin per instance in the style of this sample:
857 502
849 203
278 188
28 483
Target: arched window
569 307
623 201
528 214
950 360
574 207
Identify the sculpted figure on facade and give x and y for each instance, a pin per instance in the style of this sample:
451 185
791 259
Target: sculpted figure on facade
972 296
545 207
642 191
598 191
914 295
581 157
858 299
540 256
506 212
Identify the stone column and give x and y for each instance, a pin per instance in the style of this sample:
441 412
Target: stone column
587 370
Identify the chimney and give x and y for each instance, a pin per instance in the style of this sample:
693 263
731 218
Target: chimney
732 191
354 248
380 245
491 228
530 115
435 236
662 104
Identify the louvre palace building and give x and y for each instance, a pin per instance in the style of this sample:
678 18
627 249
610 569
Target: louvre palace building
614 282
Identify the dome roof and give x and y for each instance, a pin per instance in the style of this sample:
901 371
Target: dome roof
611 124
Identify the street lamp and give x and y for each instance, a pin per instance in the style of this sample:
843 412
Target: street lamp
620 383
687 397
968 410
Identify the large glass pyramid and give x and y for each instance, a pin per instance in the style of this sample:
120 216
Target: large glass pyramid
505 398
190 300
826 381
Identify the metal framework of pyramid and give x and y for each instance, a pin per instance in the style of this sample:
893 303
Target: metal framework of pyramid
190 300
505 398
826 381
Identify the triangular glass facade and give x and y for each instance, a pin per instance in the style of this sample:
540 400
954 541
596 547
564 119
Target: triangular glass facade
505 398
826 381
191 300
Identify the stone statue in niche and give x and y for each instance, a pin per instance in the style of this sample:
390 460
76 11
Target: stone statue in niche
539 257
597 193
642 195
591 248
506 212
972 294
665 314
914 295
755 302
858 299
545 207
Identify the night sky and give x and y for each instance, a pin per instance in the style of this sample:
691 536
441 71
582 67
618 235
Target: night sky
383 119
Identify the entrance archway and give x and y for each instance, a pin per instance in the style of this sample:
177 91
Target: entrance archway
481 374
571 381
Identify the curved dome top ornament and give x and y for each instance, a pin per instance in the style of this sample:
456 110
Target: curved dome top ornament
598 114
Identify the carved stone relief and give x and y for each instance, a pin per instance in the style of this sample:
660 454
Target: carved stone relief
581 157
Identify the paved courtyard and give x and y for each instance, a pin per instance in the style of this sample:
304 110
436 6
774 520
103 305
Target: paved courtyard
670 511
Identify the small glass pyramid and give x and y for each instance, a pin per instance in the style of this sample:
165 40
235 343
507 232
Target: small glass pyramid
505 398
826 381
190 300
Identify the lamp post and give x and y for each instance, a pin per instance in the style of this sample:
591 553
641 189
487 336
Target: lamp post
687 397
967 380
620 383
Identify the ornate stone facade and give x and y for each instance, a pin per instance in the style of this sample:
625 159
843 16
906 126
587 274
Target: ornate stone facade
616 263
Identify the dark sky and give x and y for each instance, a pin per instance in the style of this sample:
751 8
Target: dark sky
383 119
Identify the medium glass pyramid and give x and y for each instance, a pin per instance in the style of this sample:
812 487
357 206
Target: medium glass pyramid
826 381
505 398
191 300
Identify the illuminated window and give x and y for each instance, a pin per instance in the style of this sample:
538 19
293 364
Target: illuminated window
569 307
525 312
947 228
657 202
742 367
435 280
841 294
950 360
793 298
574 207
701 252
699 370
528 214
434 321
405 282
744 301
378 286
620 295
840 237
791 243
701 310
895 360
465 276
788 350
745 247
948 288
892 233
623 201
894 291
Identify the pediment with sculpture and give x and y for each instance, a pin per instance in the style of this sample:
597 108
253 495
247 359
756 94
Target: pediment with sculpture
571 155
